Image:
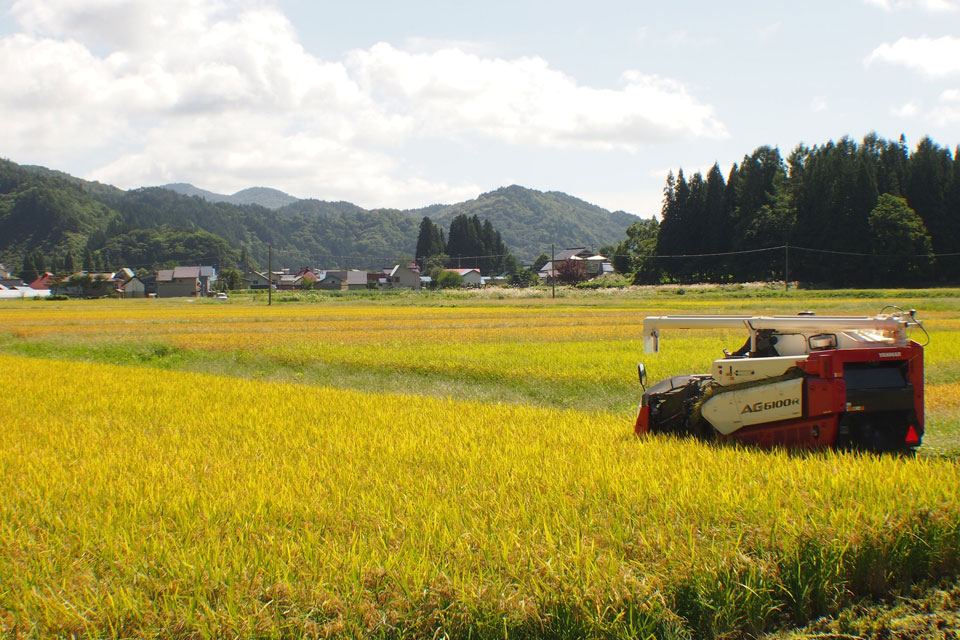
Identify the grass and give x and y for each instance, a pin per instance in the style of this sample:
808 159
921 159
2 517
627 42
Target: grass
387 469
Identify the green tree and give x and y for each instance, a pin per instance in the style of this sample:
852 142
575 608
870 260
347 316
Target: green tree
510 264
715 234
633 254
230 279
430 241
70 264
524 278
929 176
39 262
900 241
436 261
541 260
28 272
449 280
471 243
463 241
759 219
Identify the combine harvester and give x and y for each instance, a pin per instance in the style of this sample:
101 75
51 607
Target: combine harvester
800 381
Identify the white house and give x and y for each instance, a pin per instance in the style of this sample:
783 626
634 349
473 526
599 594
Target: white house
471 277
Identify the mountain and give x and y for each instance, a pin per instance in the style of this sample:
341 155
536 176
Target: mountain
531 221
55 213
263 196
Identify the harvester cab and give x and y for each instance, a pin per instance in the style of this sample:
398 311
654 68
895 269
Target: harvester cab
799 381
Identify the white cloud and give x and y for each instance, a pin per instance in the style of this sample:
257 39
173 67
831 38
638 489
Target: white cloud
818 104
927 5
948 111
225 95
934 57
451 93
768 32
907 110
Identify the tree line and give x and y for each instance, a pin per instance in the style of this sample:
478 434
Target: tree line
470 244
872 213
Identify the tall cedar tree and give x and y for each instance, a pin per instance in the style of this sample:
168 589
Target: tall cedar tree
472 244
821 198
430 241
28 272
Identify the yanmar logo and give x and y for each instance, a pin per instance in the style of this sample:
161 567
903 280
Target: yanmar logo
889 354
766 406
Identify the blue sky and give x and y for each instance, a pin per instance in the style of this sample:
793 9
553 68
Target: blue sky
410 104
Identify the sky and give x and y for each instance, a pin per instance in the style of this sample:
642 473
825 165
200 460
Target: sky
406 104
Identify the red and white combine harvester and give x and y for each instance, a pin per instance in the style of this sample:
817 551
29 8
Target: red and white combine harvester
799 381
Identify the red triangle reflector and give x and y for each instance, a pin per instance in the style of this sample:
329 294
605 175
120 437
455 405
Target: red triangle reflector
912 437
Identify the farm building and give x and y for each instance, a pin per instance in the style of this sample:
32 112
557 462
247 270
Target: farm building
399 276
178 282
471 277
255 280
343 280
134 288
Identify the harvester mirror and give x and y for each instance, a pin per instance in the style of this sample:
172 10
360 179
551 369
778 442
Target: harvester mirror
642 375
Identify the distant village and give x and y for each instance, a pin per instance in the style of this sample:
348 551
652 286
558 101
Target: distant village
202 281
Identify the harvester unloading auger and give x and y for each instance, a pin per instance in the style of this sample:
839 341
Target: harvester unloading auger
800 381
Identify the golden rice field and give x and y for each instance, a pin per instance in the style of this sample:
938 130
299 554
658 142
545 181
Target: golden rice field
361 469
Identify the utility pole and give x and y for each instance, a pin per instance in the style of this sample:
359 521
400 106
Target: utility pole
786 266
270 277
553 268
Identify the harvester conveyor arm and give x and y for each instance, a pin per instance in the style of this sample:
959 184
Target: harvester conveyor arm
895 325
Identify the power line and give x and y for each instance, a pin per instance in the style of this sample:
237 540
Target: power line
792 248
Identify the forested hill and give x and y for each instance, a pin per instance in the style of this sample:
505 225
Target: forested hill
53 213
263 196
530 221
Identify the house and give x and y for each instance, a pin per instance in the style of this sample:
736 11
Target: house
13 293
4 273
288 281
134 288
149 284
208 277
334 281
10 283
84 285
471 277
255 280
399 276
43 282
356 280
351 280
308 278
178 282
594 265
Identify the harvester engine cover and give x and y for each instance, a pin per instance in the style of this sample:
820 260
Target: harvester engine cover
850 382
